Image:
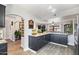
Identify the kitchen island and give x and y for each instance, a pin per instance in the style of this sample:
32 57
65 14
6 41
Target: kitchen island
38 41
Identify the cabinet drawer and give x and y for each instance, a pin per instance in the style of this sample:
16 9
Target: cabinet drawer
3 47
3 53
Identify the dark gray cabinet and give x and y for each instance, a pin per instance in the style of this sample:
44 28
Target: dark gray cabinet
36 43
58 38
47 37
42 41
3 49
54 38
32 43
2 15
63 39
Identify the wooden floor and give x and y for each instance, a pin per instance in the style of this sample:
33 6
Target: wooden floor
15 49
50 49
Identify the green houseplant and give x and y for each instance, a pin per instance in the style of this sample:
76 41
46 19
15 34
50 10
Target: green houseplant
17 35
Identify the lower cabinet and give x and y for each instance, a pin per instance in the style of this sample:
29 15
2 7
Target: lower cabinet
63 39
58 38
36 43
54 38
32 43
3 49
42 41
47 37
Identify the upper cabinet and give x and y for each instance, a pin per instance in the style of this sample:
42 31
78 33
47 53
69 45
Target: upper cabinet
2 15
68 28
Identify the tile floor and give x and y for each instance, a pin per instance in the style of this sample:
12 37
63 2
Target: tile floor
52 49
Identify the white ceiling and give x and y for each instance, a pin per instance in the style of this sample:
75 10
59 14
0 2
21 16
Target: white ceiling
41 11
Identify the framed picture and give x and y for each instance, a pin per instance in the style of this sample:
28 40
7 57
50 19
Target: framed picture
31 24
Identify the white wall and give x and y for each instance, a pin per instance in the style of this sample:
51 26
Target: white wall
2 33
11 29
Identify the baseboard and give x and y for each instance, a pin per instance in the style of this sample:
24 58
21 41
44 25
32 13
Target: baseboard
10 40
30 50
58 44
70 44
25 49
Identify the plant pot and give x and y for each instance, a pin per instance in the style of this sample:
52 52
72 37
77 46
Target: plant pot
17 37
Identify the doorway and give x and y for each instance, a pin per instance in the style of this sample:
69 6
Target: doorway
14 23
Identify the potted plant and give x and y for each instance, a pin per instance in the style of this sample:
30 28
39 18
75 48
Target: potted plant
17 35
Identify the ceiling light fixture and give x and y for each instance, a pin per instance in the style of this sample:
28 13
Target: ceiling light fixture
52 9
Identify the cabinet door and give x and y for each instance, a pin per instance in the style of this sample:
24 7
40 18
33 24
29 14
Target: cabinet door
63 39
58 38
3 53
36 43
33 43
51 38
55 38
2 15
46 40
3 49
39 42
47 37
42 41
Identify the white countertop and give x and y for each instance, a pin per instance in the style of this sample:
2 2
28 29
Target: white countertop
3 41
58 33
40 34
